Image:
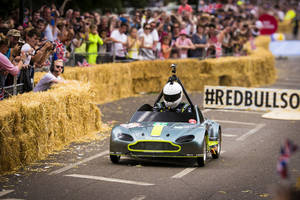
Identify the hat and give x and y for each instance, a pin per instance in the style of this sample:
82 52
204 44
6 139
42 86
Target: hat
182 32
14 32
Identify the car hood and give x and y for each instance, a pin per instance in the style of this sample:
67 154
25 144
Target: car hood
158 130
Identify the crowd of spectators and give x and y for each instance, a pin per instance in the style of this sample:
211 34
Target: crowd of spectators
86 38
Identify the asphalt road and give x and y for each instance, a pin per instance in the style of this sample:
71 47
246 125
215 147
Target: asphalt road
245 170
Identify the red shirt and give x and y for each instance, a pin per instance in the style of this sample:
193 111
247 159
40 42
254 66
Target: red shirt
187 8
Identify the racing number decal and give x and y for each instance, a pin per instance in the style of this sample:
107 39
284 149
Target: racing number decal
157 129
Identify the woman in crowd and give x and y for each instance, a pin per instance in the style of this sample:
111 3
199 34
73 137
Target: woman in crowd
183 43
93 41
133 44
199 40
165 47
147 43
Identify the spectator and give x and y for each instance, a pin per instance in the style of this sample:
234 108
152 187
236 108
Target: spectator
79 48
51 31
13 39
105 49
147 43
27 74
225 38
184 7
119 38
6 67
199 40
176 31
93 41
165 47
183 43
133 44
136 20
40 27
52 77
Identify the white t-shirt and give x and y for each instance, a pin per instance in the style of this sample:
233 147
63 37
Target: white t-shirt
148 40
46 82
49 33
29 51
119 49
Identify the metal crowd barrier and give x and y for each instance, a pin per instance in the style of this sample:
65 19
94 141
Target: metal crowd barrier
13 89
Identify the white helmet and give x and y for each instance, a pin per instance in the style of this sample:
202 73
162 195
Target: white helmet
172 94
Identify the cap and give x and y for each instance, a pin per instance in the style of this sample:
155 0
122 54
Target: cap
182 32
14 32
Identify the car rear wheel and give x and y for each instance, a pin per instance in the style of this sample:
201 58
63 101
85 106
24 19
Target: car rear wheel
115 159
218 151
202 160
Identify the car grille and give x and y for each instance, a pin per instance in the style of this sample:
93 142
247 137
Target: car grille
154 146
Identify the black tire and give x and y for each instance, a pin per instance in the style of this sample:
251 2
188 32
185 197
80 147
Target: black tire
202 160
218 151
115 159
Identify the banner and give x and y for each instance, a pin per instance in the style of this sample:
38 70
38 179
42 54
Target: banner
258 99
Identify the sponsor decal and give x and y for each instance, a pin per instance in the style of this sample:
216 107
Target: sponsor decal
131 125
258 99
269 24
157 129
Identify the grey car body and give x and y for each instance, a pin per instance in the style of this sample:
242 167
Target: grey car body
166 134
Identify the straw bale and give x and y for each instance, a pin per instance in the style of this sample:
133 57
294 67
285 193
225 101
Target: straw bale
35 124
285 26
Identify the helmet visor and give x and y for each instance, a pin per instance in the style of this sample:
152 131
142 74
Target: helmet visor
172 98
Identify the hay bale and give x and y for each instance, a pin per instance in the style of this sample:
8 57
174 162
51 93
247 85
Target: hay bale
35 124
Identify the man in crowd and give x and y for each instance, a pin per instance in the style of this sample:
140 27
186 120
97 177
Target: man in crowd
119 38
52 77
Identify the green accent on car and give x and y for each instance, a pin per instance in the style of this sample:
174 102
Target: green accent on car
155 151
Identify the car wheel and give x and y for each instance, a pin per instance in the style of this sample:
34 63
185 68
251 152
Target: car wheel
115 159
218 151
202 160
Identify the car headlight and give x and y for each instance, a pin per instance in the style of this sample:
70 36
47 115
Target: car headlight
125 137
186 138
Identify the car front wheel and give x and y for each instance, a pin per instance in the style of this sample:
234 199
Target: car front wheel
115 159
202 160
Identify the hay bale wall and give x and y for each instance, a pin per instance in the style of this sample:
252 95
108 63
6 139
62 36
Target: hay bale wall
34 124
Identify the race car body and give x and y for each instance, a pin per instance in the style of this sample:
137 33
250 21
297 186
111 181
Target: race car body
166 134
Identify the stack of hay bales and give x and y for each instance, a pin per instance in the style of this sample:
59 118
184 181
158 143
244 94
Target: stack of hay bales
34 124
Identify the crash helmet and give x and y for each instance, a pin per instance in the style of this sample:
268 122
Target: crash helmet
172 94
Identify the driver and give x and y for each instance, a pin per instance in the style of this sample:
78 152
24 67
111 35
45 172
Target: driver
172 97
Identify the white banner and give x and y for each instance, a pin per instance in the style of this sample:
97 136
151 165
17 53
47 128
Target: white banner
258 99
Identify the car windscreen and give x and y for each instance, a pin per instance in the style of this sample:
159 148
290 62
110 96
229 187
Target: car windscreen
149 116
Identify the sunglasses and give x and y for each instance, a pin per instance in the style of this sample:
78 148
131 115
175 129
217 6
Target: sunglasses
58 66
147 28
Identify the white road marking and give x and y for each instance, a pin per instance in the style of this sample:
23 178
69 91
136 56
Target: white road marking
286 83
228 135
100 178
12 199
236 122
139 197
5 192
222 151
183 172
251 132
78 163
